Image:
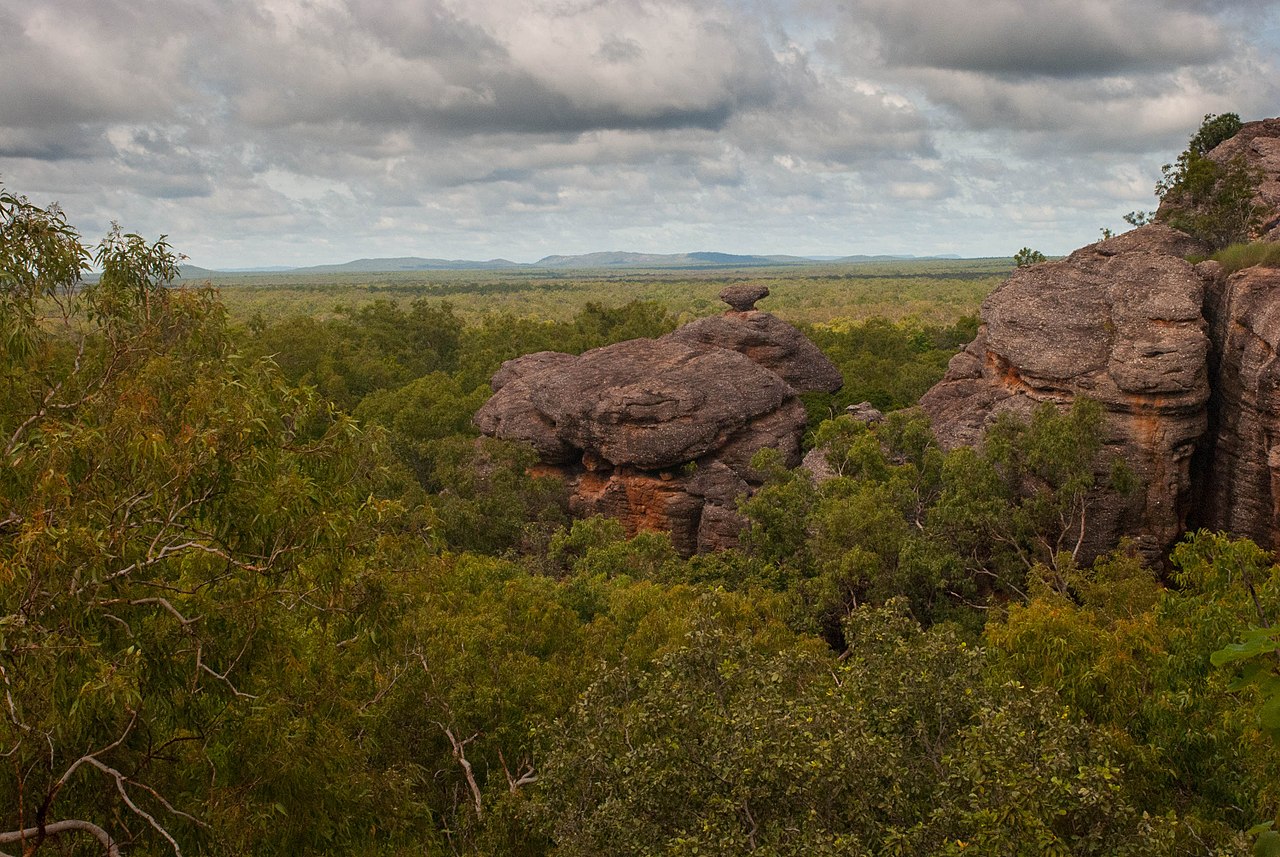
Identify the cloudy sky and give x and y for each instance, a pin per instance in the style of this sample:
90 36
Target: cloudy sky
312 131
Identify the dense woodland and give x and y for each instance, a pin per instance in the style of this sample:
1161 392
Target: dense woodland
264 591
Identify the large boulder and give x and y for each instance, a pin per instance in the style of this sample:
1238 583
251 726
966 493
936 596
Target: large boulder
660 433
1119 322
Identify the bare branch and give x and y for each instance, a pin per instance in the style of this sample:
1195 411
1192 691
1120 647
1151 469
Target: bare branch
124 794
223 678
460 757
67 826
523 776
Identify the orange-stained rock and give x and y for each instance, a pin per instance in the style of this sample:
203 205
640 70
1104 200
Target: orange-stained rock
1120 322
660 433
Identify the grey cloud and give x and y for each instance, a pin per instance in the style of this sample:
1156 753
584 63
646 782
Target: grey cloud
53 144
1056 38
455 76
303 131
97 61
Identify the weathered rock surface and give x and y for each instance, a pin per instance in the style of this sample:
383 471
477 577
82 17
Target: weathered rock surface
744 297
654 404
529 364
660 433
1241 490
769 341
865 412
1120 322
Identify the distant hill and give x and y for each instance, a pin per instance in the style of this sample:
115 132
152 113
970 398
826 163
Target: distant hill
584 261
884 258
406 263
621 259
195 272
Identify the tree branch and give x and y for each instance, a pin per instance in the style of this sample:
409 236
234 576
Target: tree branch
460 756
58 827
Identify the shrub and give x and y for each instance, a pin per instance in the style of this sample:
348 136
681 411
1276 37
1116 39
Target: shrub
1026 256
1213 201
1237 257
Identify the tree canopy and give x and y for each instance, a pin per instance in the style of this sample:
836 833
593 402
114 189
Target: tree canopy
263 591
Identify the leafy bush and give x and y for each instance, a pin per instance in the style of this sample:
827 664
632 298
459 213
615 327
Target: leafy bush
1212 201
1214 130
1026 256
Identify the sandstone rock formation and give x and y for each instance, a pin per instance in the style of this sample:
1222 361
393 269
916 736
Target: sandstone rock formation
660 433
1241 479
1120 322
1181 357
769 341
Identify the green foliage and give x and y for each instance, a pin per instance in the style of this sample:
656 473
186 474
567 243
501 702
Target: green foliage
1214 130
1026 256
170 517
1134 658
1213 201
900 749
890 365
234 614
1237 257
902 518
41 260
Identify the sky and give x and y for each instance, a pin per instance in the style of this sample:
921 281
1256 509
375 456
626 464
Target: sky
296 132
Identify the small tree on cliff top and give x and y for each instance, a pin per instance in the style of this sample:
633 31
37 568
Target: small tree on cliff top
1213 201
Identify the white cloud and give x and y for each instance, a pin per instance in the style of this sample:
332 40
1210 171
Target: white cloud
291 131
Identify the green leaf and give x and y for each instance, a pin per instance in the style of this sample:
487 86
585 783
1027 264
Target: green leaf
1267 845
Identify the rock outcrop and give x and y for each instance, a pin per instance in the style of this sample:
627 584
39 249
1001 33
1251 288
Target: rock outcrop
1181 357
1257 144
1120 322
660 433
1241 480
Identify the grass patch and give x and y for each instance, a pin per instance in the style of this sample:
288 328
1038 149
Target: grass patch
1237 257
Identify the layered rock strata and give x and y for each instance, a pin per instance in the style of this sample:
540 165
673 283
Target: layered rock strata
1241 478
1183 360
1120 322
660 433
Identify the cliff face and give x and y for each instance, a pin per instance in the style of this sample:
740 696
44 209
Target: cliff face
1241 479
660 433
1121 323
1183 360
1181 357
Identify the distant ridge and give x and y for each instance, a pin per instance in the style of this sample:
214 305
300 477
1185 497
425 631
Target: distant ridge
584 261
406 263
